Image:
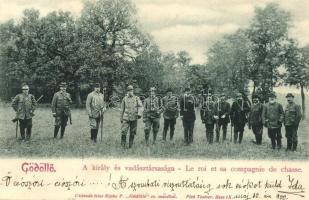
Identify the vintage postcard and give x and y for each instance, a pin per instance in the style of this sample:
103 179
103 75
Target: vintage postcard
154 99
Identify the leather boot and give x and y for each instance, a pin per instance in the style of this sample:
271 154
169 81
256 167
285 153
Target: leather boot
147 138
241 133
28 132
123 140
131 139
154 138
278 143
164 134
62 131
171 134
294 146
95 135
235 137
56 130
92 133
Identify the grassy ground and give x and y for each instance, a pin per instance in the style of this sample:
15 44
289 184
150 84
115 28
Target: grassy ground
76 142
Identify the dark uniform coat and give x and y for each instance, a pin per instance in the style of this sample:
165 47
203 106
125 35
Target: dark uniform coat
292 115
170 105
187 103
208 111
61 103
273 115
224 110
255 115
152 108
24 106
239 112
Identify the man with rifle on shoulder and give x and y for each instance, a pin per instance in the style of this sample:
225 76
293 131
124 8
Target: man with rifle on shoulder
24 105
61 109
95 106
209 116
224 109
240 109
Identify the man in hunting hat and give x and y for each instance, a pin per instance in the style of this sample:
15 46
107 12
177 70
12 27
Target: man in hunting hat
187 114
151 115
95 106
131 111
209 115
292 117
240 109
61 109
272 118
170 113
24 105
224 117
255 119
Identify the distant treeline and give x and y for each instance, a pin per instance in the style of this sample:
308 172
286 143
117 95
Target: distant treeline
106 44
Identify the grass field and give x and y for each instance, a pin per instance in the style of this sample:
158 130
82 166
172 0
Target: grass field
76 142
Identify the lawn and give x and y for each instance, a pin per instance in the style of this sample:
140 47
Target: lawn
77 144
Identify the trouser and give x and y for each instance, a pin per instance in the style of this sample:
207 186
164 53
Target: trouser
153 123
125 127
169 123
60 121
188 131
25 126
291 136
258 132
94 127
210 132
238 133
275 137
224 130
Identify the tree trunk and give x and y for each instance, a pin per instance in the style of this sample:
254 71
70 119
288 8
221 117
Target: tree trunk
302 93
78 98
254 88
109 89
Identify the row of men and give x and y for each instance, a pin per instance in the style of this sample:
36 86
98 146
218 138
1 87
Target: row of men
213 114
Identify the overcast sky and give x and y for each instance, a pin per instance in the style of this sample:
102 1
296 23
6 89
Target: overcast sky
182 24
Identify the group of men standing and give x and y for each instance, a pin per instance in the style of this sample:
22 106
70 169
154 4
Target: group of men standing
273 116
216 113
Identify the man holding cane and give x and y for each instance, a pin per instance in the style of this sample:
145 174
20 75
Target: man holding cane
24 105
61 109
95 106
131 111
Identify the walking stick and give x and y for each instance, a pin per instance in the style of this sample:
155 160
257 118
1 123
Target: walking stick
101 125
16 128
231 132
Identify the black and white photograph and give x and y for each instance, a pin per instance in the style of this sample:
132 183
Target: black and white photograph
159 79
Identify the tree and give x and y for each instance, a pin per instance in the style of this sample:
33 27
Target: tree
297 66
228 63
43 52
111 38
60 58
268 33
19 49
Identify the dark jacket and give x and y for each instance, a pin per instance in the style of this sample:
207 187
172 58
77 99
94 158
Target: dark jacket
152 108
273 115
255 115
239 112
224 110
61 103
24 106
208 111
292 115
170 106
187 111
